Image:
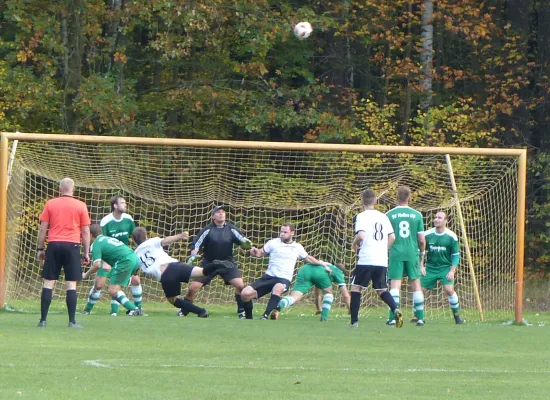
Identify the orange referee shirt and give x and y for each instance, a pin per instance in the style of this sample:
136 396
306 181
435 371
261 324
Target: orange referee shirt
65 216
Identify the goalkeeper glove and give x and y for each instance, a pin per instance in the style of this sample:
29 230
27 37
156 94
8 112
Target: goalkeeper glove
194 260
246 244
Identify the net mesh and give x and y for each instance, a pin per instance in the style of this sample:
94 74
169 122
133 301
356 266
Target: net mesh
170 189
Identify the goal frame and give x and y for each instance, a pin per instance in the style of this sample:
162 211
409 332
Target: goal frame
520 153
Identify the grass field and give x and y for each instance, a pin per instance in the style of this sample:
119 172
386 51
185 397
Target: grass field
166 357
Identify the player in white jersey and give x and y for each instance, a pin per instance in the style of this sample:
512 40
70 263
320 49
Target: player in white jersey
373 237
283 252
154 261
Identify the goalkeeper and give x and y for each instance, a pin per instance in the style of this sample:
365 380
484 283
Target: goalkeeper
315 275
216 240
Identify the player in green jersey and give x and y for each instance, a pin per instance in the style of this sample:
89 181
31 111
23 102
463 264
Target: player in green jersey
119 225
111 253
404 260
322 278
442 257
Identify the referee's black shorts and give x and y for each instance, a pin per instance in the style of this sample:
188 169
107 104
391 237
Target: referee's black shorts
364 274
64 255
172 277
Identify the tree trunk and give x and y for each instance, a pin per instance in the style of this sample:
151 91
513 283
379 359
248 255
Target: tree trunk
426 59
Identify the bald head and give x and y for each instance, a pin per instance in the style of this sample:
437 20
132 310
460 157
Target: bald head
66 186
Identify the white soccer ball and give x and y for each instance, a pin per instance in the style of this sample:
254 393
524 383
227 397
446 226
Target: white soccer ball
302 30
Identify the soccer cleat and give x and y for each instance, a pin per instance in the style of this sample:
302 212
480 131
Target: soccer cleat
42 324
241 315
419 323
354 325
274 315
398 318
414 320
180 313
225 263
203 314
458 320
264 317
114 314
390 322
75 325
86 312
138 312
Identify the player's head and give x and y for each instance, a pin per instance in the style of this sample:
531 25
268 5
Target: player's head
369 198
403 194
218 215
95 230
139 235
66 186
118 203
440 219
286 233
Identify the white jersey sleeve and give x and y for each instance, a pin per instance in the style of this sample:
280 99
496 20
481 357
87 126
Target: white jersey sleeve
152 256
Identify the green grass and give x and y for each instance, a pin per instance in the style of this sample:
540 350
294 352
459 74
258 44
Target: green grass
166 357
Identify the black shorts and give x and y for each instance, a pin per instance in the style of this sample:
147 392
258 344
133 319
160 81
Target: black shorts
227 274
266 283
172 277
64 255
364 274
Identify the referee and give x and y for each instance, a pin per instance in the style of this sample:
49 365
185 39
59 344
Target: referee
64 220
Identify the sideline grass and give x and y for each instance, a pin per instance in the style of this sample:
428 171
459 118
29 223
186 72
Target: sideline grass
166 357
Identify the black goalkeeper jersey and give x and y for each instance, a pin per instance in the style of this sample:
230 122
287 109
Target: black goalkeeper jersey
216 242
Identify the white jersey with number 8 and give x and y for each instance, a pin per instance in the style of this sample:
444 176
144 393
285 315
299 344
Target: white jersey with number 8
377 228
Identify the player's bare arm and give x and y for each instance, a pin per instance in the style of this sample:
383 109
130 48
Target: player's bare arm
391 239
41 255
95 267
175 238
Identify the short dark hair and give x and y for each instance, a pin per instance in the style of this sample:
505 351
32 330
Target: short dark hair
139 235
403 193
290 226
95 230
114 200
369 197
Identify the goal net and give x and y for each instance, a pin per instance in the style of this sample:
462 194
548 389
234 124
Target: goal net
172 187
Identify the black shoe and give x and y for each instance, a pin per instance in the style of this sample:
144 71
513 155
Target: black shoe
241 315
458 320
42 324
264 317
203 314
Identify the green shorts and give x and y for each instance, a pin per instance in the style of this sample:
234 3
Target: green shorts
429 281
104 274
397 269
309 276
123 270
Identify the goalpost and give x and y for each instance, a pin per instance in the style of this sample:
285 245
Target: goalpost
171 185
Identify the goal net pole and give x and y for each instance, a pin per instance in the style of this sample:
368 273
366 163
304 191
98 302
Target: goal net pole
3 214
203 148
464 236
520 235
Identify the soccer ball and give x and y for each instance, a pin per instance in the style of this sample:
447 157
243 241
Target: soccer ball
302 30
